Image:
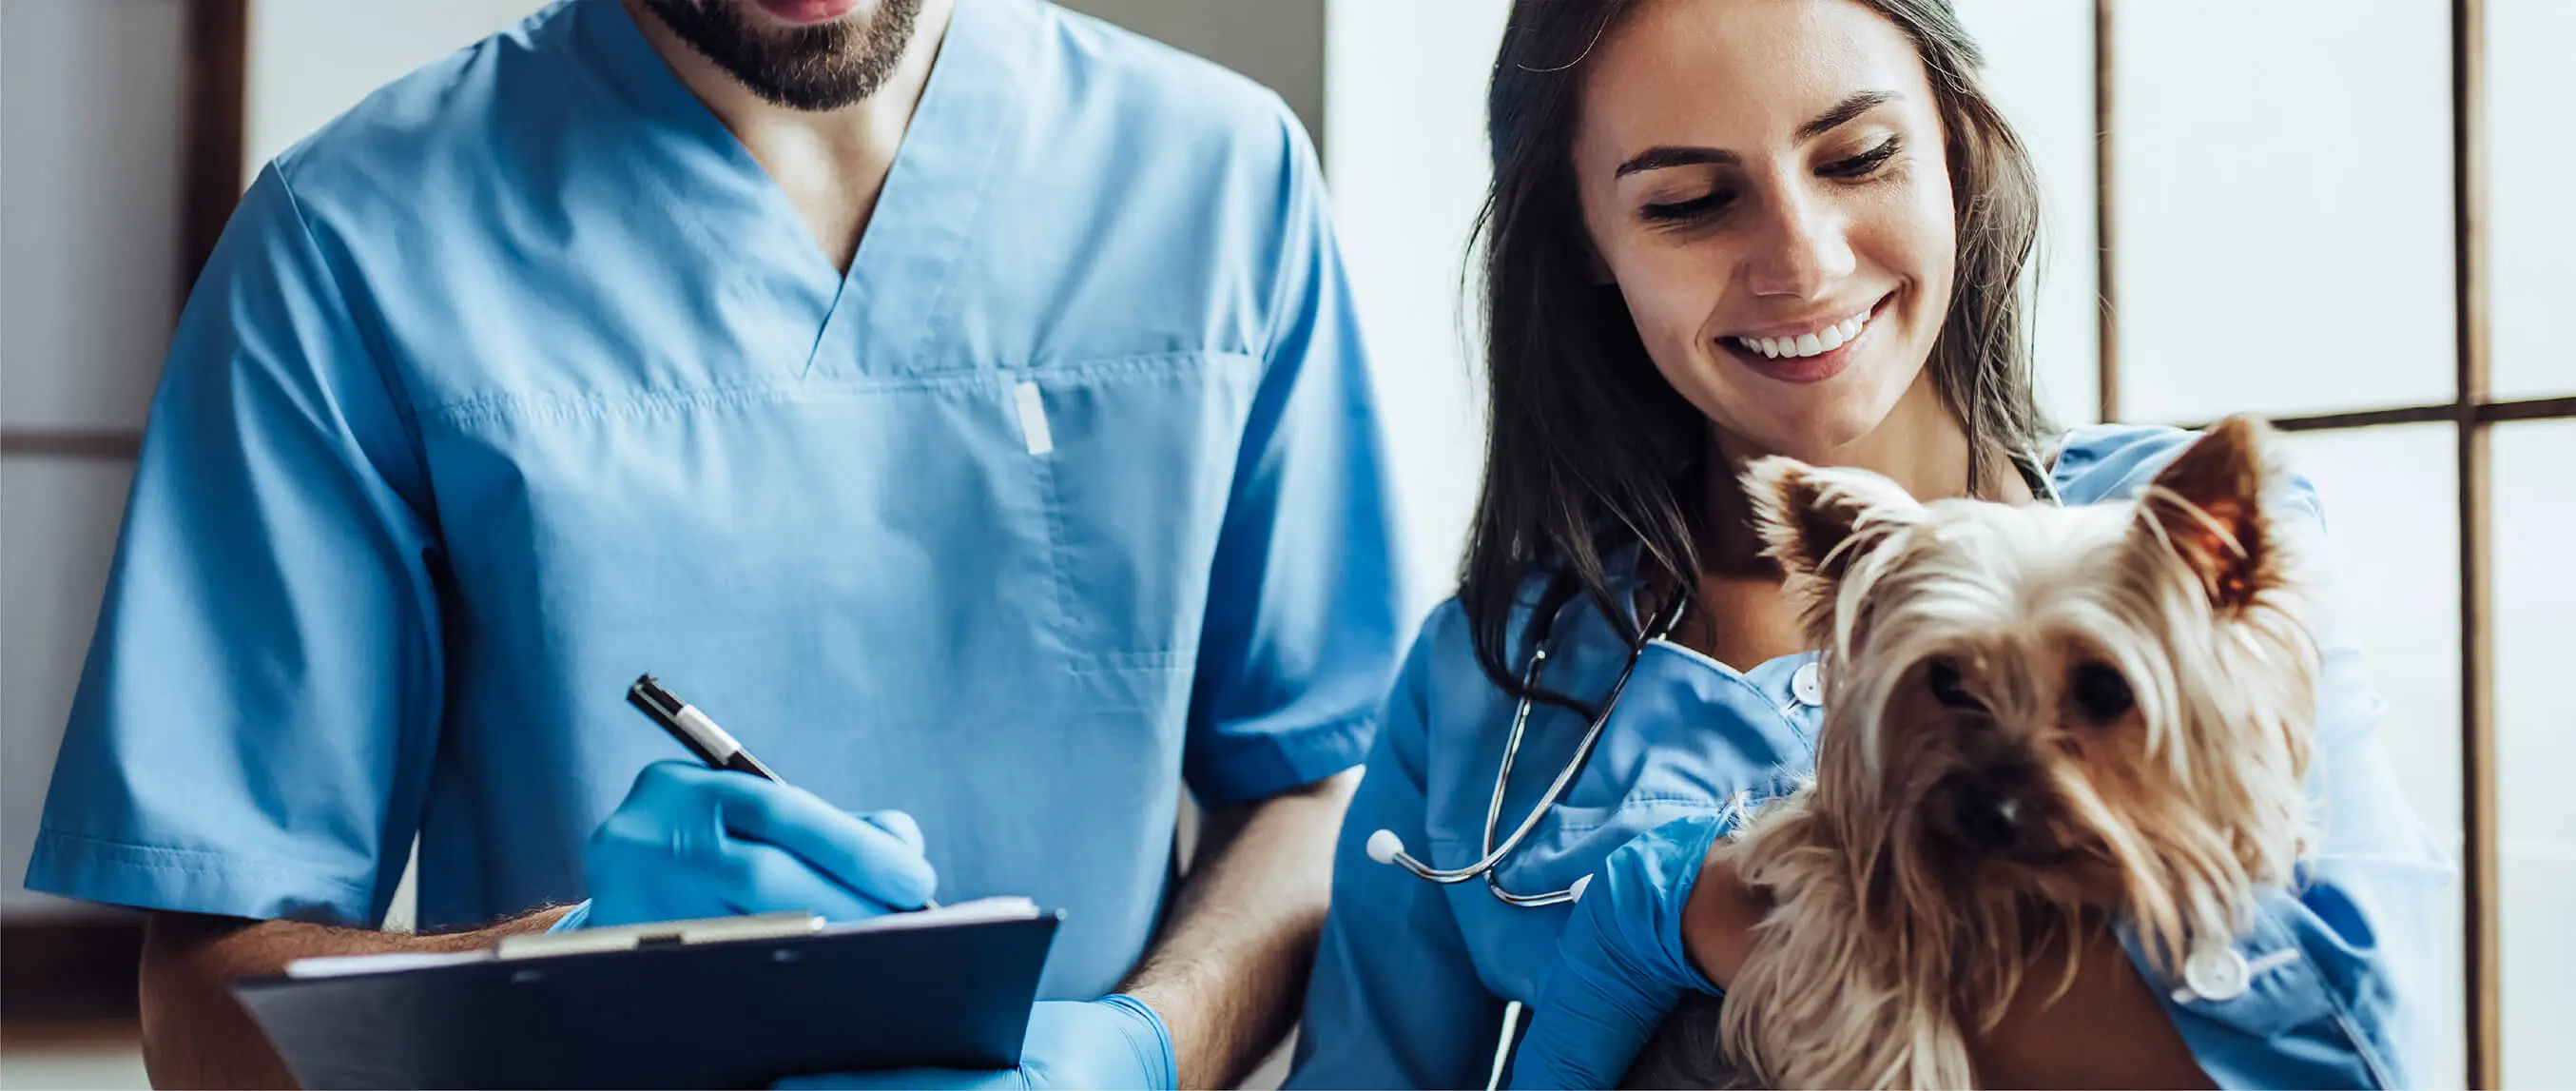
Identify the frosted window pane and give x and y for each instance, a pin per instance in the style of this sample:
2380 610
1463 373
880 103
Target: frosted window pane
2039 66
2532 224
2391 498
310 60
89 208
2283 195
2535 597
55 540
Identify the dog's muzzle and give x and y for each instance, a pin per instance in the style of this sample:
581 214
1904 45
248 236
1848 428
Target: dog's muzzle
1997 811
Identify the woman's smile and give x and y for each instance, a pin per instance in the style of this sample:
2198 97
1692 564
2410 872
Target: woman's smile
1805 353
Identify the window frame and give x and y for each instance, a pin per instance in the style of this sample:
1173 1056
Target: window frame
2472 414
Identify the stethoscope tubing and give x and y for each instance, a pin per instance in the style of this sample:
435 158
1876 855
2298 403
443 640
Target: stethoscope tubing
1487 865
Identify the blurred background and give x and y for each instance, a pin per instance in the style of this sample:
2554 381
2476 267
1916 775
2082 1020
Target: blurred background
2282 227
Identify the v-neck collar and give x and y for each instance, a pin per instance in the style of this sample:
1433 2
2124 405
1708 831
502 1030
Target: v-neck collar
894 303
883 314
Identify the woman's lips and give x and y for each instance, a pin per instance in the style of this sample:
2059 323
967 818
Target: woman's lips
1807 370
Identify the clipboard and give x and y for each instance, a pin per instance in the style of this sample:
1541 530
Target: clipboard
731 1002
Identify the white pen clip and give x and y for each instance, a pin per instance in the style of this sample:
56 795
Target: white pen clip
1033 419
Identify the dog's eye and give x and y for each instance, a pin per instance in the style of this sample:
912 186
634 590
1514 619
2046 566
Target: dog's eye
1943 677
2100 693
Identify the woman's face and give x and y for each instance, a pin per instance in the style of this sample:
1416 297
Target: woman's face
1765 181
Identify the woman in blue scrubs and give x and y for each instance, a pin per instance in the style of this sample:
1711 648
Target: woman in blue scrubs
1720 230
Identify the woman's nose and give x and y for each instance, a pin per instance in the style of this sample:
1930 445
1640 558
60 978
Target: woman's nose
1803 250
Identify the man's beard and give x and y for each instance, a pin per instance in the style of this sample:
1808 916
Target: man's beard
822 67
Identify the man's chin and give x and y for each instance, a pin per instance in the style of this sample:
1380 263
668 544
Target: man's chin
811 66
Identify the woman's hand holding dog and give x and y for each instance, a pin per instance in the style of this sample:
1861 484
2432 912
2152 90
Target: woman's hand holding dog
1638 941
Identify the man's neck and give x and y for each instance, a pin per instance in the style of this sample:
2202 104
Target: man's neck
831 164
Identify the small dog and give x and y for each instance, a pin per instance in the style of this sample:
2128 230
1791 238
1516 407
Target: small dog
2036 720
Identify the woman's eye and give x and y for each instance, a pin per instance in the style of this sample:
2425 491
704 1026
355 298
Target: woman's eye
1697 208
1862 165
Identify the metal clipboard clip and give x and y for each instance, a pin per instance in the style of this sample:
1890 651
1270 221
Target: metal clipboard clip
628 937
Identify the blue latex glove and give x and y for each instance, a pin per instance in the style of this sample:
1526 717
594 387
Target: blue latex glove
1115 1041
1620 966
692 842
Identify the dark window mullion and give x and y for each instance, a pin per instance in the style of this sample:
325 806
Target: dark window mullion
2482 962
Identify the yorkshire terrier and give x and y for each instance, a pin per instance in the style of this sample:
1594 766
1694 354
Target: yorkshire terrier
2037 721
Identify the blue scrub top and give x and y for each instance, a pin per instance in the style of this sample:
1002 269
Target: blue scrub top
522 379
1411 979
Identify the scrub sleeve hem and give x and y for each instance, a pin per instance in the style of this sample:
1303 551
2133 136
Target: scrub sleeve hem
1251 767
97 869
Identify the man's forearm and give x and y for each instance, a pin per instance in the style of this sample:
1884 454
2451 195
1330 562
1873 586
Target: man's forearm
196 1035
1229 973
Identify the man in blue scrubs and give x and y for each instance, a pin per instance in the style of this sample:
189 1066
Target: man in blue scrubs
958 399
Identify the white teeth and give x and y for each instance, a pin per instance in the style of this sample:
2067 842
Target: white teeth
1825 340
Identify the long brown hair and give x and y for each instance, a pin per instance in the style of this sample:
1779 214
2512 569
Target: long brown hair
1588 447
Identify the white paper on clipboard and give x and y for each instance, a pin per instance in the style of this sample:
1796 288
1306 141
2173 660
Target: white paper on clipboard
628 937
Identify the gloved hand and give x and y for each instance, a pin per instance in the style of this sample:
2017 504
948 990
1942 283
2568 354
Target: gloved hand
691 842
1115 1041
1620 966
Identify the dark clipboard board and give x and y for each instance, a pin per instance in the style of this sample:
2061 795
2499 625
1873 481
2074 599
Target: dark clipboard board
736 1013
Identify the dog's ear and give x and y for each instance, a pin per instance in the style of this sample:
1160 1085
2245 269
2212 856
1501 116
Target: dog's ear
1816 521
2207 509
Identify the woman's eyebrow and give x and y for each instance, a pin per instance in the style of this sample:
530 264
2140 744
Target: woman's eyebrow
1860 102
1680 155
1669 155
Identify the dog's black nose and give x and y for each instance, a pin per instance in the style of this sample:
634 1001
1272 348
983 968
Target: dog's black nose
1992 823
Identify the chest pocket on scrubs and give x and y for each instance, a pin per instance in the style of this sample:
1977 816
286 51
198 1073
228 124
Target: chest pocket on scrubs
1136 459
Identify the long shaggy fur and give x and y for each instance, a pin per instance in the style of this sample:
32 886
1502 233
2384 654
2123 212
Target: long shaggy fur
1894 939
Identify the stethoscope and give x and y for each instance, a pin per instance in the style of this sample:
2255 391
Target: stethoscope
1386 847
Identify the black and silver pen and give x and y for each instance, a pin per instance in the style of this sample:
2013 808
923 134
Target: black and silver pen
713 745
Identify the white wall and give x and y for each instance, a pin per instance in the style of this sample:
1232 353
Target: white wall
1404 102
309 60
2039 67
89 215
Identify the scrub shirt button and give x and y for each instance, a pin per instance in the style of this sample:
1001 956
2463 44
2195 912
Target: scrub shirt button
1808 685
2216 973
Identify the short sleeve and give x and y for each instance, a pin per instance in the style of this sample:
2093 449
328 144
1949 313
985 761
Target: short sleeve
257 714
1306 613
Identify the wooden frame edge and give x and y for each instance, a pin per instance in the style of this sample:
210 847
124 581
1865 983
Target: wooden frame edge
2482 916
215 125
